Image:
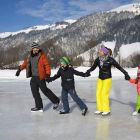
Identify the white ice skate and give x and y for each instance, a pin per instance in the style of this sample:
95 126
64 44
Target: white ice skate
97 112
105 113
135 113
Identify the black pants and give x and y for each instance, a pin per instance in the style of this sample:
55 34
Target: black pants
35 84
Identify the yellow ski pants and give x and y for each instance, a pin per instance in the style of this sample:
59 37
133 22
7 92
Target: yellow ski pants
102 94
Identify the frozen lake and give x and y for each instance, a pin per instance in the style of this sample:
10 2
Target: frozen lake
18 123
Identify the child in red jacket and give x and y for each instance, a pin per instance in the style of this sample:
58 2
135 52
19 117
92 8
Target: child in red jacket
137 82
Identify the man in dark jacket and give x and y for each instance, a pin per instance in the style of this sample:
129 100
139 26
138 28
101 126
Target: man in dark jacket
66 72
38 68
104 62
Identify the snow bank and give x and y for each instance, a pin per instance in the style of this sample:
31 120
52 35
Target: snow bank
10 74
129 49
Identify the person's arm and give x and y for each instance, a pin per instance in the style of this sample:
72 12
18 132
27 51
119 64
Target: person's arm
80 73
94 66
46 64
56 76
115 64
21 67
133 81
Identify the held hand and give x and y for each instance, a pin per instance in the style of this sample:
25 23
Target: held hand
127 77
48 80
18 72
47 76
87 74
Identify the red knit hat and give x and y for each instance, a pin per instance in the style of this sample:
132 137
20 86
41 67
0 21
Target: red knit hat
138 71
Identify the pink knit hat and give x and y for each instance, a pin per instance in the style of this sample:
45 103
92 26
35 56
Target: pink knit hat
138 71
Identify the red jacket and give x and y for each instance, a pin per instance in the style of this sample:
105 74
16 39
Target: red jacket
138 84
44 68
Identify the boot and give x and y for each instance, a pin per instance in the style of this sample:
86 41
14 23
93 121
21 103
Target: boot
84 111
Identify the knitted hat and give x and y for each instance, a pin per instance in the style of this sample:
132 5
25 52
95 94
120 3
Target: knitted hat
110 51
138 71
65 60
105 50
35 45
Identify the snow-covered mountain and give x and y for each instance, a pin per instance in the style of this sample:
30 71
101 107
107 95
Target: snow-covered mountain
78 38
126 56
89 56
135 8
39 28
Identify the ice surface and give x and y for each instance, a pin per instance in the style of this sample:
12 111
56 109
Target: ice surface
18 123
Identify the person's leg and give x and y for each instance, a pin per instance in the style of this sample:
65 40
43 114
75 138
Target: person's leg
79 102
64 96
138 103
105 94
35 92
99 96
48 93
137 111
75 97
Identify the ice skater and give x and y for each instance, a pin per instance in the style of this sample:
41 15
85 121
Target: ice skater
104 82
38 68
67 72
137 82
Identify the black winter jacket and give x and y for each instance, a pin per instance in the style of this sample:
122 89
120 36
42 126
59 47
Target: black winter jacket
105 70
67 77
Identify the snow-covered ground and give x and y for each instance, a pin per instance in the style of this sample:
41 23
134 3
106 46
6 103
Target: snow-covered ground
18 123
10 74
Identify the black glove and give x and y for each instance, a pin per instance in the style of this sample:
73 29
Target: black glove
48 80
127 77
87 74
18 72
47 76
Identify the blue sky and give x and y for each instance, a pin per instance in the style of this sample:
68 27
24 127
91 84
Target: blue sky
19 14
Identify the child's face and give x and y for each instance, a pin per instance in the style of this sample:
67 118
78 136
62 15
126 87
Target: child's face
62 64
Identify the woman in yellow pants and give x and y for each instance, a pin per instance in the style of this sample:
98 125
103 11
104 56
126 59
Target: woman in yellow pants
102 94
104 82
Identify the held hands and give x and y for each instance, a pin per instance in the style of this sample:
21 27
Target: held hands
127 77
18 72
87 74
48 79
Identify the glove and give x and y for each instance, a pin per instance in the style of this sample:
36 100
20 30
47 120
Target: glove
18 72
87 74
127 77
48 80
47 76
